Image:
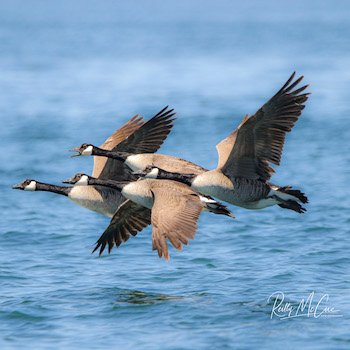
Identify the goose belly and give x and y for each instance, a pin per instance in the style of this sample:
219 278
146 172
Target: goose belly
139 193
270 199
89 198
248 194
234 197
260 204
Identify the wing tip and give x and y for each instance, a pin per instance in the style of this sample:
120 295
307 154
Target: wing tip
98 245
291 83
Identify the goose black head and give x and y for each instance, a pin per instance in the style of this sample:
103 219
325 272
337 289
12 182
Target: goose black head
78 179
85 149
26 185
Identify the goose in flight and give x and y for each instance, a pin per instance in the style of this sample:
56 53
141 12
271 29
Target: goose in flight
243 171
134 136
139 161
171 207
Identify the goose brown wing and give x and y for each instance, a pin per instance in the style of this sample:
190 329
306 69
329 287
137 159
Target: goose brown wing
174 218
146 138
150 136
259 139
225 147
115 167
129 219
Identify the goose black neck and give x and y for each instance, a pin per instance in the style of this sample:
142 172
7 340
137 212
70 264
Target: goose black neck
117 185
110 154
63 190
184 178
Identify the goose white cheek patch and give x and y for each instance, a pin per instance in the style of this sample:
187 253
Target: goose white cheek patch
207 200
153 174
83 181
31 186
87 151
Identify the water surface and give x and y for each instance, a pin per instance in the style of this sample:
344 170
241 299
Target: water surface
73 73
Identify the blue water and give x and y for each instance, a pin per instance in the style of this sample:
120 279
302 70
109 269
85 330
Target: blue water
71 72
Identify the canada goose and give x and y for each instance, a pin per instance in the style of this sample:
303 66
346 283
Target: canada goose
241 177
173 209
101 200
135 135
137 162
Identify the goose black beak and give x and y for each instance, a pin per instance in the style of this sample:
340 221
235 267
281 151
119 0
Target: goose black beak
69 181
76 149
139 173
17 186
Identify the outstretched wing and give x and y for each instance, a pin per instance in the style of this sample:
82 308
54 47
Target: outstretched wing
147 138
174 218
113 141
150 136
129 219
259 139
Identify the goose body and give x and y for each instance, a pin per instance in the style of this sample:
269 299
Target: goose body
249 194
139 192
104 201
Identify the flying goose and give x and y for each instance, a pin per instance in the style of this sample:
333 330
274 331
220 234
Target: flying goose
243 170
138 161
134 136
173 209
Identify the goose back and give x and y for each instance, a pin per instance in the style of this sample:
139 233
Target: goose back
165 162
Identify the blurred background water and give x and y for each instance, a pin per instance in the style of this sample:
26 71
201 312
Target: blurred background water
74 71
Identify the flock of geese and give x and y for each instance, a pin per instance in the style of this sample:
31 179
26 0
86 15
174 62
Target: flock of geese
137 187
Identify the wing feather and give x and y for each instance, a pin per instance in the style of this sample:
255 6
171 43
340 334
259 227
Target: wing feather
150 136
140 137
174 218
224 148
259 139
113 141
129 219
